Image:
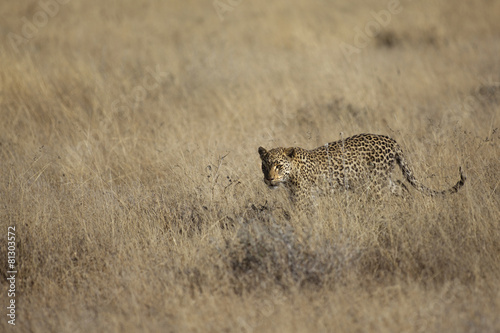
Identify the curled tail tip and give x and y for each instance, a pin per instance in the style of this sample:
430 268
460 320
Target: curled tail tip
463 176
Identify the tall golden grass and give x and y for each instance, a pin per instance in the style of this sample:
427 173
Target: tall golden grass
129 166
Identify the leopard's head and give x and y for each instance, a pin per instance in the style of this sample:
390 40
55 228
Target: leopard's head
276 165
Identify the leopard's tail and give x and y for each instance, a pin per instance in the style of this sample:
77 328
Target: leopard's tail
408 174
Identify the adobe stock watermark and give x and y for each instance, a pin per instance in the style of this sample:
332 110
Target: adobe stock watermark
222 7
46 10
371 29
265 308
11 274
488 87
150 82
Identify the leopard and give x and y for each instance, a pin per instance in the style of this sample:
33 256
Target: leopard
363 162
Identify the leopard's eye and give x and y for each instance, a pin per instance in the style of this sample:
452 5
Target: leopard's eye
278 167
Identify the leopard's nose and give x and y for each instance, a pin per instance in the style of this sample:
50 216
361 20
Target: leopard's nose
268 181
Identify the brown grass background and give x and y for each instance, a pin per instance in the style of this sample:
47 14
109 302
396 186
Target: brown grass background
153 216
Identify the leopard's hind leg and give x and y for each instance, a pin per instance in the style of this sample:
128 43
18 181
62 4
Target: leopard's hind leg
398 188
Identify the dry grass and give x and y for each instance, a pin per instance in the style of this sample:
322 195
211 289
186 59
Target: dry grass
138 198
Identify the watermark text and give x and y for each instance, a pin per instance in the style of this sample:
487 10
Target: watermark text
11 275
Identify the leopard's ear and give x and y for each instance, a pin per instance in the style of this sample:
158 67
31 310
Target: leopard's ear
290 152
262 152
